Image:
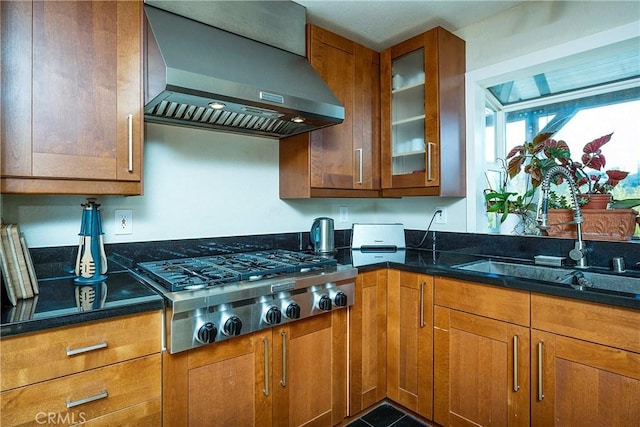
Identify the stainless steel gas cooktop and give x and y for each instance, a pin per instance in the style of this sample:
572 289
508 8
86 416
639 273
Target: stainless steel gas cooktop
219 297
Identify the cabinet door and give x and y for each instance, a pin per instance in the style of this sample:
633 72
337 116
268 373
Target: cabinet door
409 341
481 370
344 159
422 116
582 383
81 132
310 371
367 341
224 383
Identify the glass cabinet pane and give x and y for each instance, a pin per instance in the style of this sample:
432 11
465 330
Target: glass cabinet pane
407 114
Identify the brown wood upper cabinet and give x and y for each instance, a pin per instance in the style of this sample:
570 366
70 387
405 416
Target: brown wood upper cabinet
341 160
423 116
71 97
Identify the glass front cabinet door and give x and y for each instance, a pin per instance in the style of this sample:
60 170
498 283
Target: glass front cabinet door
423 124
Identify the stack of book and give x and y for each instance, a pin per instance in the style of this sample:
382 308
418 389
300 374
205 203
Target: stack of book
17 267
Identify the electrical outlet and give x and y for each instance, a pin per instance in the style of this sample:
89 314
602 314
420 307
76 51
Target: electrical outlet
344 214
124 221
441 218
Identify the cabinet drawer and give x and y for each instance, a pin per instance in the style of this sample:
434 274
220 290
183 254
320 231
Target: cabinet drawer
603 324
497 303
80 397
144 414
40 356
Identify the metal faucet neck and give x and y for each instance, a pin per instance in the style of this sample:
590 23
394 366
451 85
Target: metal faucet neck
577 253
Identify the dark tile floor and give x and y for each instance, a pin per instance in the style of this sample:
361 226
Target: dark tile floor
386 415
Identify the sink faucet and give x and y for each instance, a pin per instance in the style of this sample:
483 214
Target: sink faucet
578 252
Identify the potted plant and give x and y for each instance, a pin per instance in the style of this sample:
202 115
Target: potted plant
536 157
513 208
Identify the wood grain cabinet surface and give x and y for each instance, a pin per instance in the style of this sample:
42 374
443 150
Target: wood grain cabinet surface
585 363
410 341
71 97
481 354
423 116
511 357
368 341
291 375
341 160
98 372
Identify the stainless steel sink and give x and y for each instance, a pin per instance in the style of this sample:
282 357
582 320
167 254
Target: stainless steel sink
579 279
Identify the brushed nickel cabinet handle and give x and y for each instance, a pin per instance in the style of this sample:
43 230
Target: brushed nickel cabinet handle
130 134
429 172
266 367
359 151
283 381
73 352
422 323
102 395
516 386
540 370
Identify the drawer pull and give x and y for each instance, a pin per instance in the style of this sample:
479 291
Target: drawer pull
265 390
98 346
102 395
516 386
429 172
130 140
422 322
540 371
283 381
359 151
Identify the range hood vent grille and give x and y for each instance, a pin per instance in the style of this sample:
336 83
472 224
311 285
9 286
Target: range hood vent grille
260 89
173 112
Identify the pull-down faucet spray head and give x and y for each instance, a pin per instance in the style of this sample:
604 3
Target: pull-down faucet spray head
578 252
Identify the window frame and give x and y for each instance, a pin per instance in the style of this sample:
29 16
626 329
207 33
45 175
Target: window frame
477 96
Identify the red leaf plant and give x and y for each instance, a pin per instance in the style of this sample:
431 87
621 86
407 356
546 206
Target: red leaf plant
537 156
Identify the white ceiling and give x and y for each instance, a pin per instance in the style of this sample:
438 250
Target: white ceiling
384 23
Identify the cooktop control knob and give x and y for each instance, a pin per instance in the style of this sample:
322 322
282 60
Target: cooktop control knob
292 311
324 303
207 333
232 326
340 299
273 316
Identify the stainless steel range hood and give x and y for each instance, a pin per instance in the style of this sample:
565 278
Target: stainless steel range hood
202 76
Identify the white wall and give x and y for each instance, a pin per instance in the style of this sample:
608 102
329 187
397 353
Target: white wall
199 183
207 184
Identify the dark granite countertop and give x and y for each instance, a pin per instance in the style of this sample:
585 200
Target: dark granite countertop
441 263
62 302
57 304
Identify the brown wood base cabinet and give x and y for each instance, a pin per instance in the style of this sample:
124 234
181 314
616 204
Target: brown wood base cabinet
292 375
410 341
481 355
368 341
99 373
585 363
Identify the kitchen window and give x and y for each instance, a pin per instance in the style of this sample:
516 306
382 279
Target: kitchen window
579 99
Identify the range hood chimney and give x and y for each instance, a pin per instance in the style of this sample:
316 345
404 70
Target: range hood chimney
200 76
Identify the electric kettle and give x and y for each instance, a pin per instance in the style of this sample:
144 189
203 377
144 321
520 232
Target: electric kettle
321 236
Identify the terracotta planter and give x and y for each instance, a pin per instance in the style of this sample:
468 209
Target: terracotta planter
599 224
597 201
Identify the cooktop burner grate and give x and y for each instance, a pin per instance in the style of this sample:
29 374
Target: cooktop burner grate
195 273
